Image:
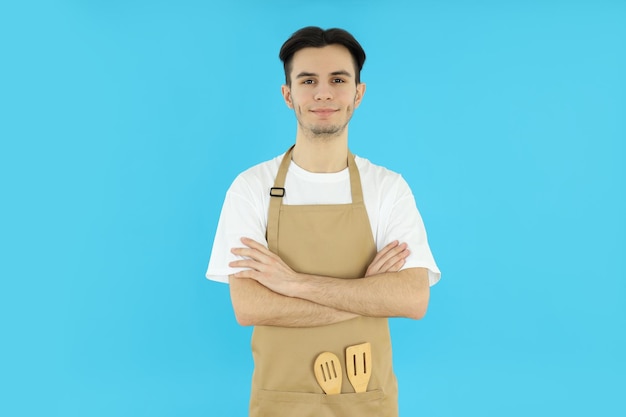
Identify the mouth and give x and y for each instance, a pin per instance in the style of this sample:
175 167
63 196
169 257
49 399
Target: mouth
324 112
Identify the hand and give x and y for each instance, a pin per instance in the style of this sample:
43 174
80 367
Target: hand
390 259
264 266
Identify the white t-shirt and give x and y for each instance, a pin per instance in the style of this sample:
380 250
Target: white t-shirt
388 200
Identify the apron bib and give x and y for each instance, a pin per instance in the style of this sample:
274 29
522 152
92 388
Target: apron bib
330 240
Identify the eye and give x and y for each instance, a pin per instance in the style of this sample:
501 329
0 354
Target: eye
338 80
308 82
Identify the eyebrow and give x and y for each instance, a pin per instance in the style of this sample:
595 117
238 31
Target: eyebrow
334 73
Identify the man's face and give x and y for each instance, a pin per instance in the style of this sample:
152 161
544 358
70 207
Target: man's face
323 91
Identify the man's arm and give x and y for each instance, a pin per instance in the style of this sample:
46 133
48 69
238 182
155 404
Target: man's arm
256 305
392 294
384 292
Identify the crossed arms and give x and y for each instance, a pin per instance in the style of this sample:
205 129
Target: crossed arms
270 293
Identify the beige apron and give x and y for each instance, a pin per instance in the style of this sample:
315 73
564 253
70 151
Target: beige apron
330 240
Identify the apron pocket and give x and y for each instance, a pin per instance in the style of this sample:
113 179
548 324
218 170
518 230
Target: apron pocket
301 404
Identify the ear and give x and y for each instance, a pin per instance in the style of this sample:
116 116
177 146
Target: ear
360 91
286 92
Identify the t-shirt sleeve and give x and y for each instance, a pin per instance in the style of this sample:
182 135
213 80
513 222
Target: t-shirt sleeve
241 216
405 224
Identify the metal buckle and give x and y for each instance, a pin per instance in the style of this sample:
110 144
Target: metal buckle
277 192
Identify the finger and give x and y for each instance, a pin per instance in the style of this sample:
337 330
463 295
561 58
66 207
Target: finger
391 254
386 249
389 258
400 256
242 263
248 273
256 246
251 253
382 255
251 243
397 266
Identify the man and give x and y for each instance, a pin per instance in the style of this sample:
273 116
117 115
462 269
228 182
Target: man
320 247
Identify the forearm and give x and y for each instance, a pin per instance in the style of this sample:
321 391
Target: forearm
256 305
394 294
385 291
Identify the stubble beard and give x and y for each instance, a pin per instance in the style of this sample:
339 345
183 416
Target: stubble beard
325 132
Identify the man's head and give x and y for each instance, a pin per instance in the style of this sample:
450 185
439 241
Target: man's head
315 37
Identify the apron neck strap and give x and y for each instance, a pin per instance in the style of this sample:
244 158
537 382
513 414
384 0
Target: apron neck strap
277 193
355 178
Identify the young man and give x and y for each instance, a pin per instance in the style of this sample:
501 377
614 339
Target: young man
320 247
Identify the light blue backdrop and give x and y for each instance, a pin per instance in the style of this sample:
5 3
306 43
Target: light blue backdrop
122 123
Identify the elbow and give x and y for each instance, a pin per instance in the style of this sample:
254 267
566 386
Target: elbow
420 298
243 319
241 302
418 311
243 316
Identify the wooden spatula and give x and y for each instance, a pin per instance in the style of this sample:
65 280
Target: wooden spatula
359 365
328 372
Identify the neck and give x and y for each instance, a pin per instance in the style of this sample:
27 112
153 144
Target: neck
322 155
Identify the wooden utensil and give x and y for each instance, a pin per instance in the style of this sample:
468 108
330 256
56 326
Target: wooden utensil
328 372
359 365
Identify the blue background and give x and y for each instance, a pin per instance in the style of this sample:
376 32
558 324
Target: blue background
122 124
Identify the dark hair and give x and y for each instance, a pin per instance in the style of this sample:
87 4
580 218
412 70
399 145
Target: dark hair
313 36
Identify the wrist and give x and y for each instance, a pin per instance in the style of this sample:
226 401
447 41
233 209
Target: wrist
301 286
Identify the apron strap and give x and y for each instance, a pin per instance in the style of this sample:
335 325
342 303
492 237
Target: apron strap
277 192
355 180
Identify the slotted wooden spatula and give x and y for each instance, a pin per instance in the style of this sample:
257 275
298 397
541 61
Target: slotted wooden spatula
328 372
359 365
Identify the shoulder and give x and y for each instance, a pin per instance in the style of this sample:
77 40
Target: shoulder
258 176
380 177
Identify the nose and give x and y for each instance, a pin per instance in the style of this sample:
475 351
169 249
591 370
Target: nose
323 92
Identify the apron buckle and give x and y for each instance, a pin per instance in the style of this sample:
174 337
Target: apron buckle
277 192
